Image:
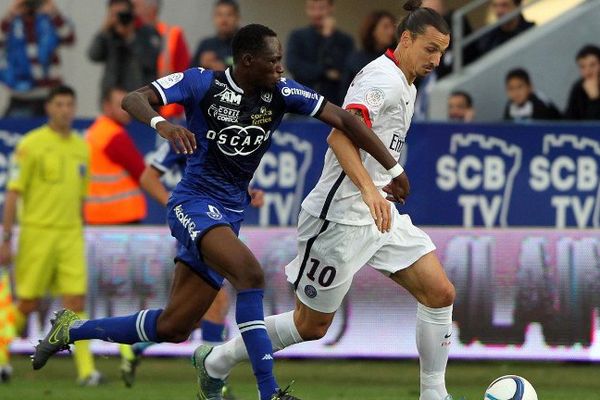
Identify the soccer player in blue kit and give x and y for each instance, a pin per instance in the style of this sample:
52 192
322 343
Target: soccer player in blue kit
231 116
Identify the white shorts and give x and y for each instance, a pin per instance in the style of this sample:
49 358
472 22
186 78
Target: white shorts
329 254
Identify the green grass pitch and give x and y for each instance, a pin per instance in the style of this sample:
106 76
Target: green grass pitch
174 379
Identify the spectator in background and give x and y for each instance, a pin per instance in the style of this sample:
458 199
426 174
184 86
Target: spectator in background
50 174
174 56
377 34
460 107
129 52
316 55
584 100
115 196
469 52
523 103
215 52
506 31
30 35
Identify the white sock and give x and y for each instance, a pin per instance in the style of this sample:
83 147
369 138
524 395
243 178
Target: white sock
223 358
434 328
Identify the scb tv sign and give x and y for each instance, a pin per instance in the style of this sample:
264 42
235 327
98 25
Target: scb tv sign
505 175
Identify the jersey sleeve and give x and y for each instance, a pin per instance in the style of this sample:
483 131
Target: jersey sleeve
300 99
184 88
166 158
369 94
21 166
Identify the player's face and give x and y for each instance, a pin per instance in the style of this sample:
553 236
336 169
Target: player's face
502 7
226 20
266 66
61 110
317 11
518 90
457 108
589 67
425 51
384 33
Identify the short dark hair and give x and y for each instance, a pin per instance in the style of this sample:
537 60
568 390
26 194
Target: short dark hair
250 39
329 1
128 2
368 27
60 90
588 50
518 73
108 92
419 18
229 3
465 95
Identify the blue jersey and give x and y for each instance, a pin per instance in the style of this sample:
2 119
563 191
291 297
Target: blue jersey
233 130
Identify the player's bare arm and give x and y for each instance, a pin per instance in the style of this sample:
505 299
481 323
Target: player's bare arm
349 158
139 104
150 182
361 135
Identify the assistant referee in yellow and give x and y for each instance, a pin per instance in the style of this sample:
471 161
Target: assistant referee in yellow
49 174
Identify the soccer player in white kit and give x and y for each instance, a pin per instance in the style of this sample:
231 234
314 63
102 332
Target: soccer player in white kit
337 234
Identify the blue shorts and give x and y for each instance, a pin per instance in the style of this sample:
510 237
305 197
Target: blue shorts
192 217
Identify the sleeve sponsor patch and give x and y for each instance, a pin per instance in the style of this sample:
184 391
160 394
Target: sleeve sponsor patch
170 80
374 97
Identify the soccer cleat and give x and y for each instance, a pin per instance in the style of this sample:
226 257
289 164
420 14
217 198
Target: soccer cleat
56 340
5 373
93 379
209 388
226 393
284 394
128 368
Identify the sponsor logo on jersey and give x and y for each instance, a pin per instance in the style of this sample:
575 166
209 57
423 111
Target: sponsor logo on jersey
229 96
397 143
238 140
375 97
170 80
266 97
219 83
186 221
222 113
214 213
288 91
264 116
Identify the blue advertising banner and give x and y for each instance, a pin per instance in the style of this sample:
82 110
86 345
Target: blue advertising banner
489 175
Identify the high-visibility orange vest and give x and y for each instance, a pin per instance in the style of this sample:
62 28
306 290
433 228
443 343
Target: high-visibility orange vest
114 197
169 61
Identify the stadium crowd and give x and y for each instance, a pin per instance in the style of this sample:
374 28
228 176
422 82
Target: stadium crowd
135 47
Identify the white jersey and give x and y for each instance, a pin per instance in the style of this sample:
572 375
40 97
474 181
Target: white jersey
381 91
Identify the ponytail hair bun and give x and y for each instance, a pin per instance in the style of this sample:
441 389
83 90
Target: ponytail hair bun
412 5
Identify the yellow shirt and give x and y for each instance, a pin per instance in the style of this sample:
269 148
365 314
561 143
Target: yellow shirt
51 172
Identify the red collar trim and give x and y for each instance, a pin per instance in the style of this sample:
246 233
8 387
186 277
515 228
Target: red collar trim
390 54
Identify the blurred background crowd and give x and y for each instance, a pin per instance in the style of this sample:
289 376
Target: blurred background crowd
96 46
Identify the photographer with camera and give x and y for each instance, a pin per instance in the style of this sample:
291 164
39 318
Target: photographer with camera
128 50
30 34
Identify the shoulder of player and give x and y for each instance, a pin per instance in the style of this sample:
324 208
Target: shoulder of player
33 136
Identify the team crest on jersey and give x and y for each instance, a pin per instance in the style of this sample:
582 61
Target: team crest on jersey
214 213
266 97
229 96
82 170
375 97
170 80
238 140
310 291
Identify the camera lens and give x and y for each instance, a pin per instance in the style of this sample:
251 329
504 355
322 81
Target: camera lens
125 17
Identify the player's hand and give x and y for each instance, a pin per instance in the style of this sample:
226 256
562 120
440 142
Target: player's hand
182 140
5 254
380 208
258 198
398 189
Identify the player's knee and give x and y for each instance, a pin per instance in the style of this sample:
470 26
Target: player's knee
250 278
444 296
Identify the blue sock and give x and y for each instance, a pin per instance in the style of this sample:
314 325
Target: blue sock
139 348
140 327
211 332
249 315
